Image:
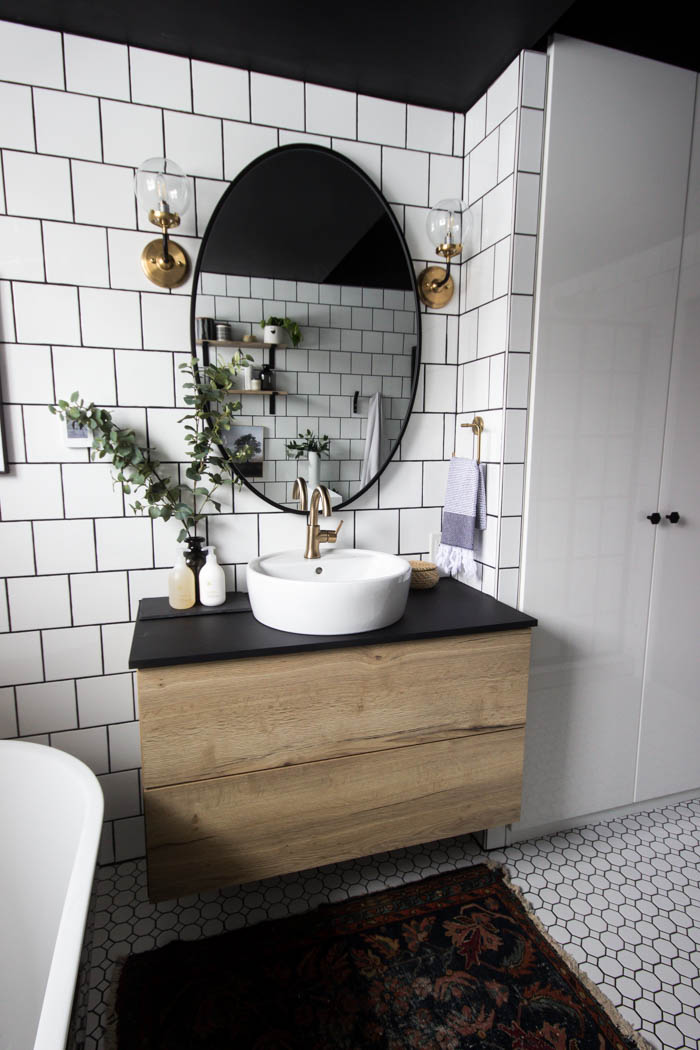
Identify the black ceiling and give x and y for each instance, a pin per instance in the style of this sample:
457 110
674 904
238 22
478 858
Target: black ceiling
429 53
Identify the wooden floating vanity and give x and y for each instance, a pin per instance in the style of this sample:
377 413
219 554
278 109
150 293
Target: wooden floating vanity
266 752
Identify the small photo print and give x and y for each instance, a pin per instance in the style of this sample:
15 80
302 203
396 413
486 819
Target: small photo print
76 436
242 436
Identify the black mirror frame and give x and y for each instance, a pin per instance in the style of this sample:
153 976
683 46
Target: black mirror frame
409 262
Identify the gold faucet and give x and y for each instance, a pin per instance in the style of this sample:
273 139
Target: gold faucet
314 535
300 492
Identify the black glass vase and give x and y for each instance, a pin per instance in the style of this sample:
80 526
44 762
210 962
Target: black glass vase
195 558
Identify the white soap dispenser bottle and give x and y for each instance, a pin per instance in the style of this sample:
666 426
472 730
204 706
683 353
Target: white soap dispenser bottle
181 585
212 581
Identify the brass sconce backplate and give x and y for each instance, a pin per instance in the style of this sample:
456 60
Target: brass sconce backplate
435 298
166 274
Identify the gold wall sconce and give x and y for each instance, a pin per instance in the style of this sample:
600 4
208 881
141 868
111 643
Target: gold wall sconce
448 223
162 189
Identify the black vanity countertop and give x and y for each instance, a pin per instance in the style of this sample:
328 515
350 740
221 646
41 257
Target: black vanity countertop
448 609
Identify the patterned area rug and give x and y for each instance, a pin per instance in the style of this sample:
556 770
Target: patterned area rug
454 961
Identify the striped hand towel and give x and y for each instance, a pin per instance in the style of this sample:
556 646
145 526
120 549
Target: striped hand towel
465 511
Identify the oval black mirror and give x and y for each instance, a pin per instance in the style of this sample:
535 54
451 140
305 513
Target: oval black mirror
303 239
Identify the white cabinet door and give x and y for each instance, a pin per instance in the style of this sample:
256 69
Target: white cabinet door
616 167
669 744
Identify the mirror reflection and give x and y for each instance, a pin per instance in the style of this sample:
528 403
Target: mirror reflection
304 258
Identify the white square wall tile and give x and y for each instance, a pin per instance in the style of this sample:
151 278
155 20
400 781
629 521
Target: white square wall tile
508 586
501 267
493 327
72 652
196 142
509 555
46 707
147 583
331 112
429 129
534 79
20 658
99 597
401 485
166 322
445 178
124 543
122 795
435 483
518 380
144 377
483 167
440 388
16 549
31 491
496 380
520 337
26 373
475 125
124 746
282 531
415 527
530 147
67 124
46 313
31 56
379 120
130 133
365 155
497 213
8 717
480 272
96 67
45 438
39 601
37 186
75 254
235 537
64 546
377 530
423 439
243 143
90 491
512 498
110 318
7 313
105 699
158 79
277 101
527 203
502 96
515 433
506 146
89 745
405 176
103 194
88 369
524 249
116 645
220 91
16 117
475 386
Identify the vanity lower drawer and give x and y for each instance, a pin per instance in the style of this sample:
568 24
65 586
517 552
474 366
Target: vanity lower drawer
238 828
234 716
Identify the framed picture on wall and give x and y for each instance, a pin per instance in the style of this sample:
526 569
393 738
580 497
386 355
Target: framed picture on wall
241 436
74 435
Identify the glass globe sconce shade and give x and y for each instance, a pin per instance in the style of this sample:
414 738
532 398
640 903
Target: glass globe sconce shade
447 225
162 189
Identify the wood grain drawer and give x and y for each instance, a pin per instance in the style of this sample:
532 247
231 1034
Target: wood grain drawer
238 828
210 720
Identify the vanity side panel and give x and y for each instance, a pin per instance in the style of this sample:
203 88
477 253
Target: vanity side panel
207 720
239 828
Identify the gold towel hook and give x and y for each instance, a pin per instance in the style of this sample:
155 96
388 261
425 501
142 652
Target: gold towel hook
477 427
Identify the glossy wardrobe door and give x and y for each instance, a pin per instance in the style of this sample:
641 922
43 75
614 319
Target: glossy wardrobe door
616 168
669 744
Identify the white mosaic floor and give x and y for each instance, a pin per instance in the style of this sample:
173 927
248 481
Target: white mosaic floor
623 897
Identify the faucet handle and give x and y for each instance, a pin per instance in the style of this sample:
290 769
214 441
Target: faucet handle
330 535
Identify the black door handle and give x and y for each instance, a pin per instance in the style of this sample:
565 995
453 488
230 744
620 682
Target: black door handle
654 518
673 517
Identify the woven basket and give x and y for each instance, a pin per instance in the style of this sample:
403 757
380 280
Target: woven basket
424 575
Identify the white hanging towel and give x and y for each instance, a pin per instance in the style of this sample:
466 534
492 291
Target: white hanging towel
373 440
465 511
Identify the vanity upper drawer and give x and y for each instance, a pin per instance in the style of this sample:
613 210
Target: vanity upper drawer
233 716
235 829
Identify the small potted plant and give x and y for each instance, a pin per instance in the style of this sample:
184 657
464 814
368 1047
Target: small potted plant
273 328
313 447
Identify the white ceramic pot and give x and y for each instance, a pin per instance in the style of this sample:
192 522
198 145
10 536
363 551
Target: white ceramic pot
314 470
272 334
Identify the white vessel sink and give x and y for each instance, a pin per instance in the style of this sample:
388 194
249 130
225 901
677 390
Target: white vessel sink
345 591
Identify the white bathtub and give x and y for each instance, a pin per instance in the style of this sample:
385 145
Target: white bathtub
50 820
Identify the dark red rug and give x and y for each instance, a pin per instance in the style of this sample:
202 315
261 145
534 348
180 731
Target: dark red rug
454 961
